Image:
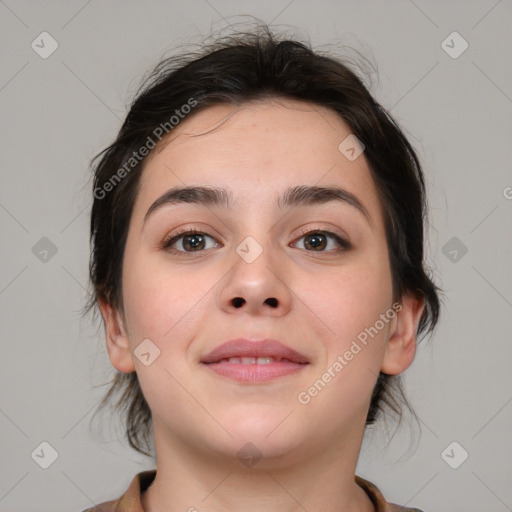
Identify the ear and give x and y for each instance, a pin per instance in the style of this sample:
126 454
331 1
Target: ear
401 346
118 344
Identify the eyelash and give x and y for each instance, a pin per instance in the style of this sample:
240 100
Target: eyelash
166 244
345 244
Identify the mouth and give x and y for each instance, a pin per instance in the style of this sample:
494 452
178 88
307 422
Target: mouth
253 360
244 360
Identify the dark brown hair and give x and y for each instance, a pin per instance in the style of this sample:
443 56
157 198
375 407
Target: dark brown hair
235 70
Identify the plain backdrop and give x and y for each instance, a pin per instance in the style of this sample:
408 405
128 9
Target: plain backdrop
58 110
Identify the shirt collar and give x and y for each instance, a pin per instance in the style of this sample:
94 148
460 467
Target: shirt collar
130 501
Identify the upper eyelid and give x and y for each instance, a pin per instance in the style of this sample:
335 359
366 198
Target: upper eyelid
341 239
180 234
172 239
303 232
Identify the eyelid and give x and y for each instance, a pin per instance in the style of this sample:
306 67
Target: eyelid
342 239
194 227
180 233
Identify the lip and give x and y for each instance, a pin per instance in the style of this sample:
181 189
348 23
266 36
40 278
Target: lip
242 347
286 360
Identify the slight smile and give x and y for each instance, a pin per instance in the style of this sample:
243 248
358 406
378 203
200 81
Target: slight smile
244 360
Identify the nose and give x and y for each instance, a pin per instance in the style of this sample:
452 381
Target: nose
256 288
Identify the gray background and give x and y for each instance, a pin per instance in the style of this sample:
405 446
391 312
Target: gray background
60 111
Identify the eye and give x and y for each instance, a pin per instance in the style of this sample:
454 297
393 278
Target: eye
318 241
191 241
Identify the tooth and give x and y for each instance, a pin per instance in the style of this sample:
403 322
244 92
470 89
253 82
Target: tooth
250 360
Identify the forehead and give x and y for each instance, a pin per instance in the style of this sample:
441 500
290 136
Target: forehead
256 150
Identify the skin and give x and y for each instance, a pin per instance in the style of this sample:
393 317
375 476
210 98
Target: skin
183 304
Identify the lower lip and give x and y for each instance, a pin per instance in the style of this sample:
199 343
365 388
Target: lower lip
255 372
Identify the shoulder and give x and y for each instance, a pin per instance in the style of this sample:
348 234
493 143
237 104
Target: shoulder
381 504
130 501
399 508
107 506
393 507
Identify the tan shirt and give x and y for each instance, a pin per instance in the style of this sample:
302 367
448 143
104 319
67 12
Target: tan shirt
130 500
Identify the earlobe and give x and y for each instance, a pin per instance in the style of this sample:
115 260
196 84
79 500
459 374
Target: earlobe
401 346
118 344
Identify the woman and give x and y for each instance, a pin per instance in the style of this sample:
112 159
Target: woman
257 235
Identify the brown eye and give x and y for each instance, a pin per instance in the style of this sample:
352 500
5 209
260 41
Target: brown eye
319 241
189 241
316 241
193 242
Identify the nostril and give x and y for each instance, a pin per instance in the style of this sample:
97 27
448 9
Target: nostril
238 301
272 302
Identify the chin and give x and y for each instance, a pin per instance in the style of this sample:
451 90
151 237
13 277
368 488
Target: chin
272 436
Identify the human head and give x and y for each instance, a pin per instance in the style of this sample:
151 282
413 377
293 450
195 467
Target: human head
237 71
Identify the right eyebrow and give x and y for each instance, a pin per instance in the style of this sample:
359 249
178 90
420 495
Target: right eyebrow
212 196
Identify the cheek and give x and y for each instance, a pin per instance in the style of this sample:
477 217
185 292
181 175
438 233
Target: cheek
352 298
353 302
163 302
352 305
166 306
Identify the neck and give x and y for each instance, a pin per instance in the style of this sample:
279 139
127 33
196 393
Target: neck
306 479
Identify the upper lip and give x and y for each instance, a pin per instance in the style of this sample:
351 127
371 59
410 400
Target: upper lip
242 347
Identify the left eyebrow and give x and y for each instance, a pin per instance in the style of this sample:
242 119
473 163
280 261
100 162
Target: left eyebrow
301 195
305 195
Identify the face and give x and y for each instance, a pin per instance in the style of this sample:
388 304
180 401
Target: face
313 275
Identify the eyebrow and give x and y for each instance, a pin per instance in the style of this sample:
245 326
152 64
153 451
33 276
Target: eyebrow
301 195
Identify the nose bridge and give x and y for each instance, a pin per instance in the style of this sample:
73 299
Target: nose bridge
253 285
